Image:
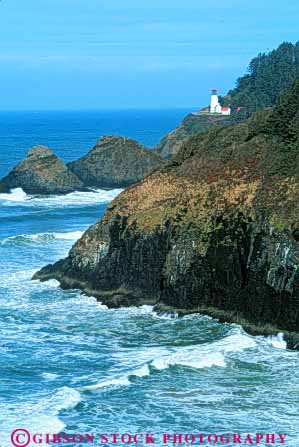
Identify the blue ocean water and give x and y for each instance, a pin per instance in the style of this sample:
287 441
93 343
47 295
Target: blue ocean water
72 134
68 364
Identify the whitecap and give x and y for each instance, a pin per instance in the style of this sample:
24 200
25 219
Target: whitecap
64 399
49 376
205 355
187 359
143 371
199 356
114 382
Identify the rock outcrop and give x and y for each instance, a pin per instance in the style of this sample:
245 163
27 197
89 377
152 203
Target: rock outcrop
216 232
115 162
42 172
193 124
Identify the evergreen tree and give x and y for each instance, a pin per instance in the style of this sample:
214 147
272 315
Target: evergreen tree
268 76
284 119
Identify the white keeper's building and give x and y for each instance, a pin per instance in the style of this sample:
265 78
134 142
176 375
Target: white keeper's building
215 107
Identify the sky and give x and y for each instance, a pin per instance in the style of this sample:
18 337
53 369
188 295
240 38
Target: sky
116 54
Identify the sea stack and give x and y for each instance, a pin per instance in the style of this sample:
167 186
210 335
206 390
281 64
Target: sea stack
115 162
41 172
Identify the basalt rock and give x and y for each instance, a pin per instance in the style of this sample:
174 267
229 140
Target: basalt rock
214 232
42 172
193 124
115 162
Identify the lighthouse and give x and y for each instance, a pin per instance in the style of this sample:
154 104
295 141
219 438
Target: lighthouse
215 107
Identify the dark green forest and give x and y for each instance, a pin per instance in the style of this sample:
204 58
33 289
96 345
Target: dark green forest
267 78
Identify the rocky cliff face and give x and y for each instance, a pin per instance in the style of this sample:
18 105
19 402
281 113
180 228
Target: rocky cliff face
193 124
115 162
42 172
215 232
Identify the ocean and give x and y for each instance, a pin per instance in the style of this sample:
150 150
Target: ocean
70 365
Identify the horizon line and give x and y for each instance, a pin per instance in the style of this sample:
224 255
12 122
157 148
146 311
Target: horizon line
110 109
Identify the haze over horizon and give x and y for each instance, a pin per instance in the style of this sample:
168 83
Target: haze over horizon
70 54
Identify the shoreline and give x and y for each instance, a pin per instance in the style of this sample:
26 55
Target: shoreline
224 316
123 298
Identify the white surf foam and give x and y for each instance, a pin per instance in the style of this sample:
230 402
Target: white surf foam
92 197
165 315
71 235
199 356
64 399
190 359
124 380
41 417
277 341
51 283
121 381
49 376
41 238
84 300
206 355
16 195
143 371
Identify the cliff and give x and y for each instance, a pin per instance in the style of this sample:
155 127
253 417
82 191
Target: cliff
193 124
115 162
42 172
268 76
216 232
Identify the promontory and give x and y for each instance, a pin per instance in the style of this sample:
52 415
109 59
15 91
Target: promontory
216 231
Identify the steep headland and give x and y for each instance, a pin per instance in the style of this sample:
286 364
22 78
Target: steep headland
41 172
267 77
115 162
193 124
217 231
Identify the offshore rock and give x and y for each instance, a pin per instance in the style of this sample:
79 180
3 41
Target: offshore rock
42 172
115 162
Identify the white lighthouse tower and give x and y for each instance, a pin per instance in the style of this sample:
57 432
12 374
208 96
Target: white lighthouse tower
215 107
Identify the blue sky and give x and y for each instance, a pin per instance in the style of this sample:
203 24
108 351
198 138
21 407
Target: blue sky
86 54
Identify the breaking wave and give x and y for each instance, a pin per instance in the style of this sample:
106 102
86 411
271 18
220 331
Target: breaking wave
277 341
124 380
43 416
18 197
199 356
